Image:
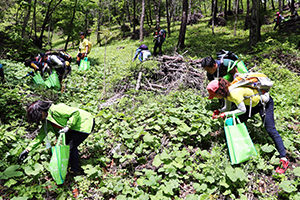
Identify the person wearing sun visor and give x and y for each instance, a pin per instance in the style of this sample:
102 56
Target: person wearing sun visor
246 109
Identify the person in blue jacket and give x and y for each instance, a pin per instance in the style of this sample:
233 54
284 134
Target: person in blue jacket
142 53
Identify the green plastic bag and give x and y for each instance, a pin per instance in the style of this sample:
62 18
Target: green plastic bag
37 78
241 67
84 64
53 81
239 143
59 161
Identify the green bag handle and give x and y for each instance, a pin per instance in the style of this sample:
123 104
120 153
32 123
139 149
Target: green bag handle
62 137
86 59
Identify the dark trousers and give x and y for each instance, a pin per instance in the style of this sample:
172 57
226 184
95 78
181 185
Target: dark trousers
74 139
268 119
157 45
277 25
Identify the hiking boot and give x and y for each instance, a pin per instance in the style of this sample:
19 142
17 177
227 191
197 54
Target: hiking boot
284 165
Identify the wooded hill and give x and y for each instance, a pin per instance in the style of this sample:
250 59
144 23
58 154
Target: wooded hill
154 136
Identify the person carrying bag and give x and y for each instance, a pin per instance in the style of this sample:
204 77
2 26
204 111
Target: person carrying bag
239 142
246 108
76 124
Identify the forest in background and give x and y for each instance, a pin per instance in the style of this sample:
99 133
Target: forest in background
169 147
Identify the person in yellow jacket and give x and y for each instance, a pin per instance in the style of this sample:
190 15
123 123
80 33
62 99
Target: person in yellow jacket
76 123
83 47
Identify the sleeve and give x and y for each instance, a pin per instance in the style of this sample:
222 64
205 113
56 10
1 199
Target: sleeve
227 106
136 54
73 119
241 109
40 137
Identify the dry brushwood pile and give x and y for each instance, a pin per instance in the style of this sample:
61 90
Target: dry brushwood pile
173 72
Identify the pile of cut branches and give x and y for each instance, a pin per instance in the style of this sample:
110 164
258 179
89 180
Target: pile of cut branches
172 73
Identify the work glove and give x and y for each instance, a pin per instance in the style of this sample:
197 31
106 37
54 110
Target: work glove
222 115
64 130
23 155
215 114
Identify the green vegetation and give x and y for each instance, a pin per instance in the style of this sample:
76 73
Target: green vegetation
169 147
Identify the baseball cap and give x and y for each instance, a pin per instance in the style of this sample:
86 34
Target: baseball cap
212 88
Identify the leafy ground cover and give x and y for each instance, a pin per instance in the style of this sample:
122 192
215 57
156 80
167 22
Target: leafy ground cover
154 146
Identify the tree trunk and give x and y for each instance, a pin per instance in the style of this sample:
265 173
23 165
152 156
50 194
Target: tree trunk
280 6
99 17
150 14
213 14
156 11
25 22
255 35
128 14
241 3
134 16
49 12
183 24
236 14
190 13
225 10
168 18
229 5
247 15
142 21
71 26
273 6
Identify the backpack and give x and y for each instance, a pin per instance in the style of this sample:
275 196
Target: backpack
90 47
223 54
257 81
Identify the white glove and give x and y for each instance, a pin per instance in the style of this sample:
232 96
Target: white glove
64 130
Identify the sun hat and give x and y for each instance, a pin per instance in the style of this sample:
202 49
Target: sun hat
212 88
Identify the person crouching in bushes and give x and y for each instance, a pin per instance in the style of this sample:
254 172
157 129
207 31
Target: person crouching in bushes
220 89
76 123
142 52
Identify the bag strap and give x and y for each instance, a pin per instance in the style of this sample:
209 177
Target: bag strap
235 118
61 138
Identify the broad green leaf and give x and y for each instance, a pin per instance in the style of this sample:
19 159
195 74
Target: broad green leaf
192 197
10 182
140 181
34 170
151 181
121 197
184 128
164 155
175 120
235 174
210 179
156 161
11 172
198 176
144 197
19 198
296 171
287 186
148 138
267 148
